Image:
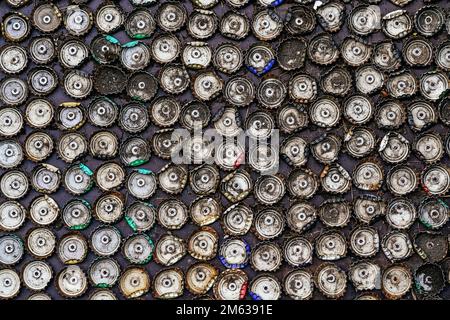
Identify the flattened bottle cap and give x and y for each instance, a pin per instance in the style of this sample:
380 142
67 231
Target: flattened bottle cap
135 151
228 58
36 275
269 189
364 242
13 91
142 86
202 24
204 179
433 213
391 114
42 80
169 250
203 243
368 79
330 246
109 207
11 249
298 251
102 112
368 207
432 247
429 279
174 78
302 183
234 253
134 117
231 285
418 52
335 179
259 124
397 24
237 219
206 85
300 20
138 248
322 49
15 26
165 111
172 214
44 210
76 214
41 242
260 58
46 17
433 85
265 287
237 185
9 284
394 148
78 84
360 142
429 147
325 112
11 154
205 210
429 20
168 284
200 277
302 88
228 122
13 59
108 18
173 178
78 179
196 55
71 282
72 146
402 85
331 280
12 215
355 51
442 56
271 93
72 248
104 272
294 151
386 57
336 81
134 282
72 53
301 216
171 16
397 246
299 285
135 55
331 16
364 19
326 148
401 213
165 48
14 184
78 20
266 256
234 25
266 25
365 275
368 176
239 91
165 142
335 212
396 281
105 240
268 224
358 109
402 180
39 113
105 49
436 179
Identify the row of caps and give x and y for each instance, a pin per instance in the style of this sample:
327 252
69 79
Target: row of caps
396 280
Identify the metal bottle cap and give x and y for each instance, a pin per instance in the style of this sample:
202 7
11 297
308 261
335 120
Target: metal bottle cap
301 216
135 151
78 179
368 79
171 16
72 282
234 25
335 179
109 80
268 224
322 49
336 81
205 211
433 85
44 210
300 20
355 51
397 246
365 275
135 55
364 242
326 148
228 58
432 247
46 17
11 249
206 85
13 59
239 91
78 84
172 214
298 251
202 24
72 248
429 279
401 213
72 146
391 114
39 296
265 287
433 213
358 109
169 250
368 207
105 240
196 55
70 116
168 284
9 283
165 48
368 176
386 57
237 185
394 148
72 53
12 215
46 178
200 277
302 183
140 24
76 214
109 18
397 24
331 16
142 86
109 207
105 49
174 78
37 274
134 282
429 147
359 142
41 242
325 112
203 243
266 256
335 212
442 56
260 58
234 253
237 219
364 19
330 246
15 26
102 112
299 285
331 280
11 154
266 25
13 91
104 272
396 281
429 20
78 20
271 93
39 113
14 184
417 52
138 248
42 80
133 117
172 178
